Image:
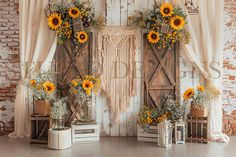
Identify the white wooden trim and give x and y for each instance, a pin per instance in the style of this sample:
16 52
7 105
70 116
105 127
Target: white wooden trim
84 137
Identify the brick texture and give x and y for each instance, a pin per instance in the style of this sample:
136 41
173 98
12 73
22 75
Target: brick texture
9 62
229 66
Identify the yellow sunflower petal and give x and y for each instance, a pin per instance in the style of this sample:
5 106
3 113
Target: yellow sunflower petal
54 21
153 37
88 92
39 87
177 22
32 83
74 82
74 12
82 37
166 9
200 88
87 85
189 93
49 87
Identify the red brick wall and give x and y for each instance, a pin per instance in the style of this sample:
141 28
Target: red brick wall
229 79
9 62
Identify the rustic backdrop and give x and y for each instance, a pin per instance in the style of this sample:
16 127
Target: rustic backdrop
116 12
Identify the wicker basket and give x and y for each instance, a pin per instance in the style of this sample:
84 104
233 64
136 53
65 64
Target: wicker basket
42 107
198 112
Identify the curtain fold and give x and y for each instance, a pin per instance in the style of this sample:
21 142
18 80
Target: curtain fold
37 46
205 53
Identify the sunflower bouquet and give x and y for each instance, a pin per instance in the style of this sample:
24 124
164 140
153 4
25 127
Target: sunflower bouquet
165 23
171 110
198 96
146 117
42 85
72 21
86 85
82 90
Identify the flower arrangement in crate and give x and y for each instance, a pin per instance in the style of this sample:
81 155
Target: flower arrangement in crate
43 89
161 116
170 110
199 99
72 20
58 111
83 89
165 23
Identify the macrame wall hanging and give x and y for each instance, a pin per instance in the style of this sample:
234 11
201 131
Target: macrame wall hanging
116 53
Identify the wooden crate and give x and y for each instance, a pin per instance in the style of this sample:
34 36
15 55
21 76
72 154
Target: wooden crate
85 133
197 129
147 135
39 129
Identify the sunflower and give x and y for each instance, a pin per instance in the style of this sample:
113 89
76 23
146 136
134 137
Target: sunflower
166 9
148 113
188 93
153 37
200 88
66 24
82 37
87 85
54 21
39 87
32 83
74 12
74 83
74 91
177 23
49 87
161 119
149 120
88 92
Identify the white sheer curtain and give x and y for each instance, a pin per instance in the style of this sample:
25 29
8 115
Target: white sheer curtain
37 45
205 53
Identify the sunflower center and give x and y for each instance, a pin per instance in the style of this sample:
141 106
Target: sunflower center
177 22
189 94
55 21
154 36
166 10
87 85
49 88
74 11
82 36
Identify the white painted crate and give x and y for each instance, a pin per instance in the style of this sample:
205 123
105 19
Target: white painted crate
147 135
85 133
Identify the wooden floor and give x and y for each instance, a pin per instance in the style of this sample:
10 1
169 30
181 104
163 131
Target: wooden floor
116 147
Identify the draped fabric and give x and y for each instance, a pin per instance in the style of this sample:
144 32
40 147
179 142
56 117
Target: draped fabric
116 54
205 53
37 45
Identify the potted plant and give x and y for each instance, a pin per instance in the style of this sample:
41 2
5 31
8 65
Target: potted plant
43 89
171 111
82 90
199 99
59 110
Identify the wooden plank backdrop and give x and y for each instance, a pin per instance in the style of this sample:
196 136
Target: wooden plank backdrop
116 13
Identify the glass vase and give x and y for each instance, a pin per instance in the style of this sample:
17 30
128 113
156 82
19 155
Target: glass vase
58 124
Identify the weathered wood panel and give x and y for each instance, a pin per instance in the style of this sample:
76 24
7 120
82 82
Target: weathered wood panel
161 72
72 61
